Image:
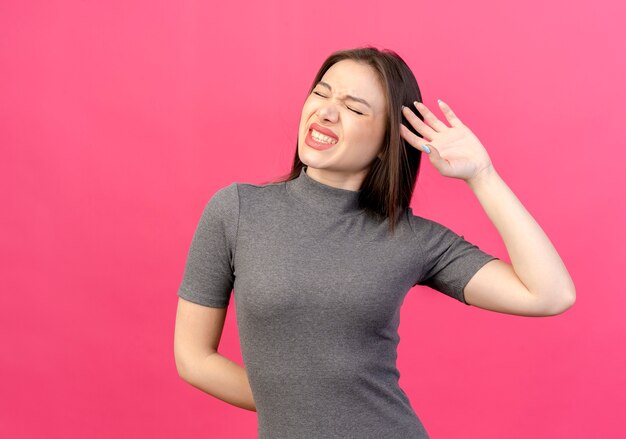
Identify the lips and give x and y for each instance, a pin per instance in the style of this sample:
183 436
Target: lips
325 131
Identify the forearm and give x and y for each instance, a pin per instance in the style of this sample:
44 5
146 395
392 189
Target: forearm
221 378
533 257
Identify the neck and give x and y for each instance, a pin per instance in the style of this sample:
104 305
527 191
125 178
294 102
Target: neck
323 197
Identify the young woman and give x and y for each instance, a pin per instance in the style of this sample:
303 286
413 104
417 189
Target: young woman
320 262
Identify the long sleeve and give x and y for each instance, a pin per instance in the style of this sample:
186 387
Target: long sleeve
209 271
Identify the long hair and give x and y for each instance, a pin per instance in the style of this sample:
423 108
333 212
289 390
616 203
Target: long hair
388 187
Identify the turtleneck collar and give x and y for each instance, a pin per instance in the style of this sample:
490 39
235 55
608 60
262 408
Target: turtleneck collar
322 197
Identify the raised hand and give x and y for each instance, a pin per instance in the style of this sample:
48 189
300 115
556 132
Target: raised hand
454 151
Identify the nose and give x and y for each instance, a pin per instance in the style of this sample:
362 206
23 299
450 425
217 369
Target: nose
328 111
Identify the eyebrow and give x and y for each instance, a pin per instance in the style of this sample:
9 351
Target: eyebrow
363 101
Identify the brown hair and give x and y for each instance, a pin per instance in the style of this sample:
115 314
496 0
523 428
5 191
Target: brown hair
388 187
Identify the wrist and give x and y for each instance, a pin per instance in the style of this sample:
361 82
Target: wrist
483 177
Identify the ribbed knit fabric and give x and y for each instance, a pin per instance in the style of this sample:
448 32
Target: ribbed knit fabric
318 285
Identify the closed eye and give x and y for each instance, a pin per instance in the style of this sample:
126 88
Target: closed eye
351 109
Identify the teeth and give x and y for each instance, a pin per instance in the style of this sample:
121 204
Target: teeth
322 138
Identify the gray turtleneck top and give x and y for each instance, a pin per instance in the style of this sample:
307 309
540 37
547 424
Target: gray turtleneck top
318 284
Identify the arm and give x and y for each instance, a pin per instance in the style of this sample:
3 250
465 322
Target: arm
197 335
537 283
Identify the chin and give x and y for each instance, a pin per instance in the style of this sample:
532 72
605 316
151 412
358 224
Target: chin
309 158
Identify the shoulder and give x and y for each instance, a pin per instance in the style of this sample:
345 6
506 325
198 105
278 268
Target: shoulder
432 237
232 196
224 201
424 227
261 197
250 190
242 199
227 193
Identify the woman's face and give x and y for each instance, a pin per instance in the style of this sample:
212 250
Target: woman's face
349 106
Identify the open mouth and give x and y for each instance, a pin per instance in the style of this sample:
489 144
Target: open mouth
321 138
319 141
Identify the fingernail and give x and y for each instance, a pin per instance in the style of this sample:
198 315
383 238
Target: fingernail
426 149
439 100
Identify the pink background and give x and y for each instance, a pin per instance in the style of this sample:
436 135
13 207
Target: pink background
118 121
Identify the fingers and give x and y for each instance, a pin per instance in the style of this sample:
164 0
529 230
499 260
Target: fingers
422 128
414 140
450 116
429 128
430 117
441 164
